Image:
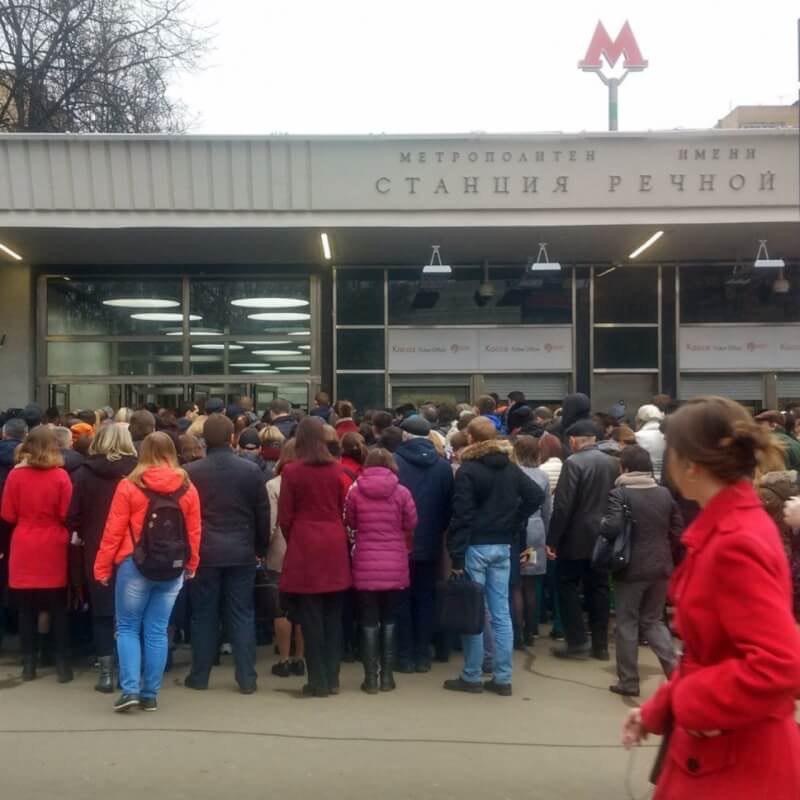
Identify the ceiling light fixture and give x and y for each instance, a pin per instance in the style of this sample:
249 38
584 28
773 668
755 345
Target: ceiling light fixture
217 346
326 246
195 332
642 247
304 347
763 261
140 302
197 359
299 333
250 364
260 371
435 274
531 278
262 342
280 316
276 353
605 272
9 252
269 302
164 317
294 369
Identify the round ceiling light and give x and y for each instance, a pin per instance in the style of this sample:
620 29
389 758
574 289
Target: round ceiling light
195 332
217 347
250 364
280 316
140 302
157 316
269 302
276 353
277 341
299 333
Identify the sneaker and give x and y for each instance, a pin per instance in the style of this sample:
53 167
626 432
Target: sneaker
297 667
503 689
616 688
581 653
126 701
283 669
149 704
460 685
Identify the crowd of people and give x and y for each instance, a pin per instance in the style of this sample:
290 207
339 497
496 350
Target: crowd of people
332 532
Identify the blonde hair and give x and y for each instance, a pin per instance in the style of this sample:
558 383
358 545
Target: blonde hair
158 450
196 428
40 449
271 435
123 415
112 441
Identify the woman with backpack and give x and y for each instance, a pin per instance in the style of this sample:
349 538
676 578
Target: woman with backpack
640 590
381 517
316 568
111 457
36 497
152 562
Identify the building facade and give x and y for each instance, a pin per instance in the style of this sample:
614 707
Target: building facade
158 268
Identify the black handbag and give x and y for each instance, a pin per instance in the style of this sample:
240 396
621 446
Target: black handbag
460 606
614 555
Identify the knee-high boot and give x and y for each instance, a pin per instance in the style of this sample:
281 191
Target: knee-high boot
388 655
369 655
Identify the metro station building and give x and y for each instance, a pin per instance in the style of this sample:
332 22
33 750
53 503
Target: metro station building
158 268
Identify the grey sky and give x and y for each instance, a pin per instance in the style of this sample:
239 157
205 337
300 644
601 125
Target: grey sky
361 66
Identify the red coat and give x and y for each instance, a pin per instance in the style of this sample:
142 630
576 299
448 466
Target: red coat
35 502
126 519
344 426
310 512
740 672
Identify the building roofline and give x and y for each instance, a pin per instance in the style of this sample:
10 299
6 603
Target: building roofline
419 137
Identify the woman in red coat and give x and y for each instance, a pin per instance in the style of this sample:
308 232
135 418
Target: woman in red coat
729 708
36 498
316 569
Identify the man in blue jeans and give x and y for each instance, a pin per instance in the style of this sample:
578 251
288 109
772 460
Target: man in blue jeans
492 501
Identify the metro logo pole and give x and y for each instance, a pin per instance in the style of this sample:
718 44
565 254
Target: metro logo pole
603 48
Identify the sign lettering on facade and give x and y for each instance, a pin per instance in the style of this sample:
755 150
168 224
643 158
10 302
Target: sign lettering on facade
723 348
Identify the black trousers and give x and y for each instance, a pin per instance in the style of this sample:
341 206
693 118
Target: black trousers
234 587
378 608
415 614
30 602
320 616
571 575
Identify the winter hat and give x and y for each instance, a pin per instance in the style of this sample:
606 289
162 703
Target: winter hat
416 425
649 413
584 427
214 405
618 411
249 439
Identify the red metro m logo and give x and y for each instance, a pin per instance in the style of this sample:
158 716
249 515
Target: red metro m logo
603 46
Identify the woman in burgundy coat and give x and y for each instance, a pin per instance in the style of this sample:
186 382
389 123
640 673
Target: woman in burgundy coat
316 569
36 498
381 517
729 708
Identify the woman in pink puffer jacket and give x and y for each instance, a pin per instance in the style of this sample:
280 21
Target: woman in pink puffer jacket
381 517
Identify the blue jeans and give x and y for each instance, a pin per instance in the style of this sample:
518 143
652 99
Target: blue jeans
490 565
143 609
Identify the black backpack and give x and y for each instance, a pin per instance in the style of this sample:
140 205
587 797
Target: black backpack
163 548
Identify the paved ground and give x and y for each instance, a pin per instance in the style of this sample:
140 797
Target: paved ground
556 738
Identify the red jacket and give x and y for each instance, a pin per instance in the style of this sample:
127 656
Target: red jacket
346 425
35 502
310 512
382 516
740 672
126 516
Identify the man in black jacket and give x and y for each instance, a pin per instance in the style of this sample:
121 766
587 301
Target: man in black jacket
579 503
235 510
492 501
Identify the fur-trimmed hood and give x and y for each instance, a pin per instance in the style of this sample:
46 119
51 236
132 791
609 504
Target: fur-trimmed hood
783 483
494 453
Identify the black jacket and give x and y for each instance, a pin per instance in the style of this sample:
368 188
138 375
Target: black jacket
657 525
429 478
492 501
575 408
93 485
234 508
7 449
72 462
579 503
287 425
254 457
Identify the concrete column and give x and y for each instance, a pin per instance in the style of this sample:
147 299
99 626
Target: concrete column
17 335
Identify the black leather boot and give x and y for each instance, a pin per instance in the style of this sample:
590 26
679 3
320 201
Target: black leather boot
388 655
63 669
29 668
105 681
369 655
